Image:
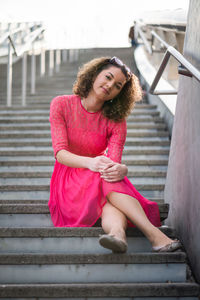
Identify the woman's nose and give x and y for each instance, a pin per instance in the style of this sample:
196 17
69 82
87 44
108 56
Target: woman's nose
110 85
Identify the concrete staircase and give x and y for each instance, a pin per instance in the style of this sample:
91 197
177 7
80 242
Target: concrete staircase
38 261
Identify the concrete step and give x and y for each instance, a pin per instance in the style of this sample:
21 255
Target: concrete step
42 187
50 160
45 201
36 119
46 126
33 174
40 113
44 152
68 240
45 105
44 209
92 268
102 291
37 215
49 169
25 148
46 134
44 195
130 141
46 181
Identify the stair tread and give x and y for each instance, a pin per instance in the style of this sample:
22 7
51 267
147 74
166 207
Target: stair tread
100 290
43 208
131 258
70 232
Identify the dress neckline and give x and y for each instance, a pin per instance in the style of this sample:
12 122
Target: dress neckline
91 113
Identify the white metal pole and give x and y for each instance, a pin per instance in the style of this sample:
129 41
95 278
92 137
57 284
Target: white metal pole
24 78
58 60
70 55
42 62
77 54
51 62
9 76
64 55
33 69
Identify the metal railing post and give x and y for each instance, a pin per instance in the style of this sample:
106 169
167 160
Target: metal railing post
42 62
76 55
64 55
160 71
24 78
33 69
9 75
71 55
51 62
58 57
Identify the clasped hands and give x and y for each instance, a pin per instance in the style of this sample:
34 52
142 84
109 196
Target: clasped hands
110 171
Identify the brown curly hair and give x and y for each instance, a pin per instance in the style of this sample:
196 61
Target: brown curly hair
120 107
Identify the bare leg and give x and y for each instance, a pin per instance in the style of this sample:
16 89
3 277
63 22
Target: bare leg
113 221
131 208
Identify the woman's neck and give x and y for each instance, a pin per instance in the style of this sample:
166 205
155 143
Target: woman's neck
91 104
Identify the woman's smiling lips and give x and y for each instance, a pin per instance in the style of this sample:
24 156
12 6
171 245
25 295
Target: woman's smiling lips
105 90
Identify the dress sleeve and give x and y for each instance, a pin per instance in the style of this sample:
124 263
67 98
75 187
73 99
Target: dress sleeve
116 141
58 125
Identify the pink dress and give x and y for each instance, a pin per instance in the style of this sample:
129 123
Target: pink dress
77 195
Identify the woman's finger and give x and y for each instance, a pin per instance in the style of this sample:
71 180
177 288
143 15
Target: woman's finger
112 180
116 177
110 169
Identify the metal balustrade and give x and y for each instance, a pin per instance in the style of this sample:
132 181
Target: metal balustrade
186 68
23 40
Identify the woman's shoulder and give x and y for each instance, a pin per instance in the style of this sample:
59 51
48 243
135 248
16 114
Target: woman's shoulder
63 100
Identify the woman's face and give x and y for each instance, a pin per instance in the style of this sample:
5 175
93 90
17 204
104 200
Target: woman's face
108 83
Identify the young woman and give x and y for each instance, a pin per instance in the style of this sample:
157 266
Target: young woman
88 135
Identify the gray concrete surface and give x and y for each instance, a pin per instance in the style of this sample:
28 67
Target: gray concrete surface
182 186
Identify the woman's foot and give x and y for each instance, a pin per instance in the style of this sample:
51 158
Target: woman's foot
162 243
113 243
171 247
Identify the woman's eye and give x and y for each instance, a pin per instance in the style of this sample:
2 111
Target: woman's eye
108 77
118 87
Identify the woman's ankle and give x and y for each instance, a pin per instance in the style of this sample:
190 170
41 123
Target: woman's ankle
118 233
158 239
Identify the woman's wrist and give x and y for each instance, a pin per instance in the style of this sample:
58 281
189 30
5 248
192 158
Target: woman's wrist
125 169
87 162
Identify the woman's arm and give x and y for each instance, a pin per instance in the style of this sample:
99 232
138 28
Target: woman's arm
115 148
95 164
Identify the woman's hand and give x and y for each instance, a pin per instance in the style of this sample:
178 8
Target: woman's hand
114 173
100 163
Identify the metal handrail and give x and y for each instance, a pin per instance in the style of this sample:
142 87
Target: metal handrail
56 55
191 70
21 52
160 39
144 39
180 58
33 36
6 35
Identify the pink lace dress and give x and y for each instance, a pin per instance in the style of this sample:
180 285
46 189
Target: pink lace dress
77 195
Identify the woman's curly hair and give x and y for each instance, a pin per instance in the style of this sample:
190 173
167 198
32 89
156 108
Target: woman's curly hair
120 107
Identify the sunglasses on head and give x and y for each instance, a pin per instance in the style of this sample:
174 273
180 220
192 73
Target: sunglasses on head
118 62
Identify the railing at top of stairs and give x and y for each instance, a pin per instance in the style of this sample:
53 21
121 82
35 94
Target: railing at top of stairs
20 40
186 68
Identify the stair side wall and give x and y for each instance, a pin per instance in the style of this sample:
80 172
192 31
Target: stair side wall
182 184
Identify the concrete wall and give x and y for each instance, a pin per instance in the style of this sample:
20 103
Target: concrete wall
182 188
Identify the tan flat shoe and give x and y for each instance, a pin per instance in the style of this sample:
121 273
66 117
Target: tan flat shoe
175 245
113 243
